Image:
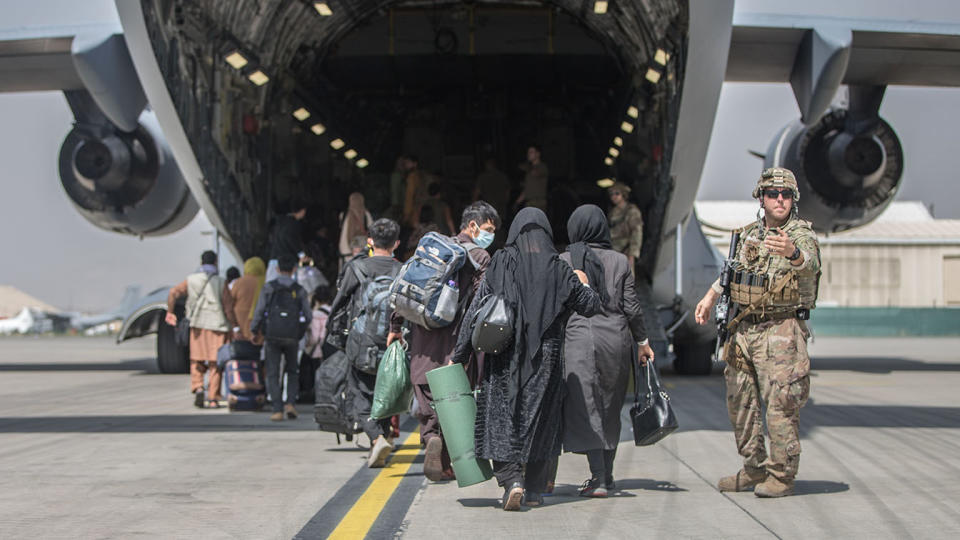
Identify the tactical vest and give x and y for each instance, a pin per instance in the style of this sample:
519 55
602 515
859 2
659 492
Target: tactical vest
758 271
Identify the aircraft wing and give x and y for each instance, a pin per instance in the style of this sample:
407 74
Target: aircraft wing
818 54
764 47
36 59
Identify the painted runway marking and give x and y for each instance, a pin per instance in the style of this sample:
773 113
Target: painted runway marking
358 521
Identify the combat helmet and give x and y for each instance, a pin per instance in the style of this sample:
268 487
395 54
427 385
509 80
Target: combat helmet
777 177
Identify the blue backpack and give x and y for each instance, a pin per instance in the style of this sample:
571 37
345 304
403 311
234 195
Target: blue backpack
426 291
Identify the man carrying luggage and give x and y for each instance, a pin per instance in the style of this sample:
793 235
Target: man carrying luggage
433 348
208 326
364 292
282 316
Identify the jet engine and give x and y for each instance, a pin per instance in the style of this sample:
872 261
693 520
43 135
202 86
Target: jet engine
848 167
125 182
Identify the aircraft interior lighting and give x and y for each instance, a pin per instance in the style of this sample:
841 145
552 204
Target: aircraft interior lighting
301 114
258 78
236 60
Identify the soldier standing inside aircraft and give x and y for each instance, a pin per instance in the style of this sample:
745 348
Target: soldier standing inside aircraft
626 223
777 273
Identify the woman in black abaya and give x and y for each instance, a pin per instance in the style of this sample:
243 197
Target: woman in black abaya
598 352
520 402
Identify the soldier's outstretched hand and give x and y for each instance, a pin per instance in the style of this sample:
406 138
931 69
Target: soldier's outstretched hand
779 243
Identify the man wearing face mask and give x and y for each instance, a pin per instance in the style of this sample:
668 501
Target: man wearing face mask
430 349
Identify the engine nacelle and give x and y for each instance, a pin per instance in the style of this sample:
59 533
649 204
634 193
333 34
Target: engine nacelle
846 179
126 182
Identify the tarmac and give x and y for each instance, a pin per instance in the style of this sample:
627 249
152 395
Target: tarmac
94 443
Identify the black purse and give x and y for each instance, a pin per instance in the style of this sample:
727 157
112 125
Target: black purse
492 325
652 415
181 332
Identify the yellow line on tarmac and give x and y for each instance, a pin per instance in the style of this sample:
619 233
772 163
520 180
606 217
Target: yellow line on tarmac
364 512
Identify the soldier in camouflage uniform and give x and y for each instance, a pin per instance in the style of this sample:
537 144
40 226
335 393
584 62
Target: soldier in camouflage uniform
626 223
766 354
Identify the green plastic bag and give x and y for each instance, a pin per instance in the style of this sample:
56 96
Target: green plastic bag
393 391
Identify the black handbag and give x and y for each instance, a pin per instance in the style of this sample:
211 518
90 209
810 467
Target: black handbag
492 325
181 333
652 415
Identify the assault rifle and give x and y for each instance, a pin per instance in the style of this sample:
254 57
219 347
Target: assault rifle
726 310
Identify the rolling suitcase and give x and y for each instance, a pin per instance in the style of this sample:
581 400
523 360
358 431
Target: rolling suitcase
243 374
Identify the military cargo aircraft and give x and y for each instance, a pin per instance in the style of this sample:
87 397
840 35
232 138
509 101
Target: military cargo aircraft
237 106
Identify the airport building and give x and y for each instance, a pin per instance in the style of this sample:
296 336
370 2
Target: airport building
905 258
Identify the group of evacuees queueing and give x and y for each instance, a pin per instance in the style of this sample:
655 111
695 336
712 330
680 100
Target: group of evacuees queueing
560 385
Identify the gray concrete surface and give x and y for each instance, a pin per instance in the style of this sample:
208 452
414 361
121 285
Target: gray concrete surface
95 444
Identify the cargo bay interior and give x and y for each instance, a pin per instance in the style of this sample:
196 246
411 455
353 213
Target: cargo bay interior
315 100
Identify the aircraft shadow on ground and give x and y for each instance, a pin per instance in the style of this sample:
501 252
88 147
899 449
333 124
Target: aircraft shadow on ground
145 365
701 408
174 423
877 365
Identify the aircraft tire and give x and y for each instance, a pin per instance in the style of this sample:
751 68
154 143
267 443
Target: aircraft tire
171 358
693 357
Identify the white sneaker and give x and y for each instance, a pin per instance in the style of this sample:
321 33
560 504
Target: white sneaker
357 440
378 454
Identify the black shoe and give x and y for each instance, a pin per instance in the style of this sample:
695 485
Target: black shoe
198 399
512 496
593 487
532 499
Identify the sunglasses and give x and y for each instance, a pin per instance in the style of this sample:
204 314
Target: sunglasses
787 194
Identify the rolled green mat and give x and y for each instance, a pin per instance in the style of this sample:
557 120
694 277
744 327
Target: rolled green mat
457 411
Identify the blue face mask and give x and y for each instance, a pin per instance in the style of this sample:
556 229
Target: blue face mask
484 238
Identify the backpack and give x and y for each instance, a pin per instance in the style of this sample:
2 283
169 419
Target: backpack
426 291
333 406
284 320
368 331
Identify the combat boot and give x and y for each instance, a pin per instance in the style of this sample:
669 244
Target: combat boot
742 481
774 487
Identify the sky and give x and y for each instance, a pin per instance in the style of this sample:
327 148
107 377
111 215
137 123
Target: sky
52 253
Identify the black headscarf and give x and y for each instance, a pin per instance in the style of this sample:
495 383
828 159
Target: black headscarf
587 228
529 275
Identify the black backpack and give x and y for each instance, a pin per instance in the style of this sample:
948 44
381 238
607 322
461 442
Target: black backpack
333 404
368 332
284 320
